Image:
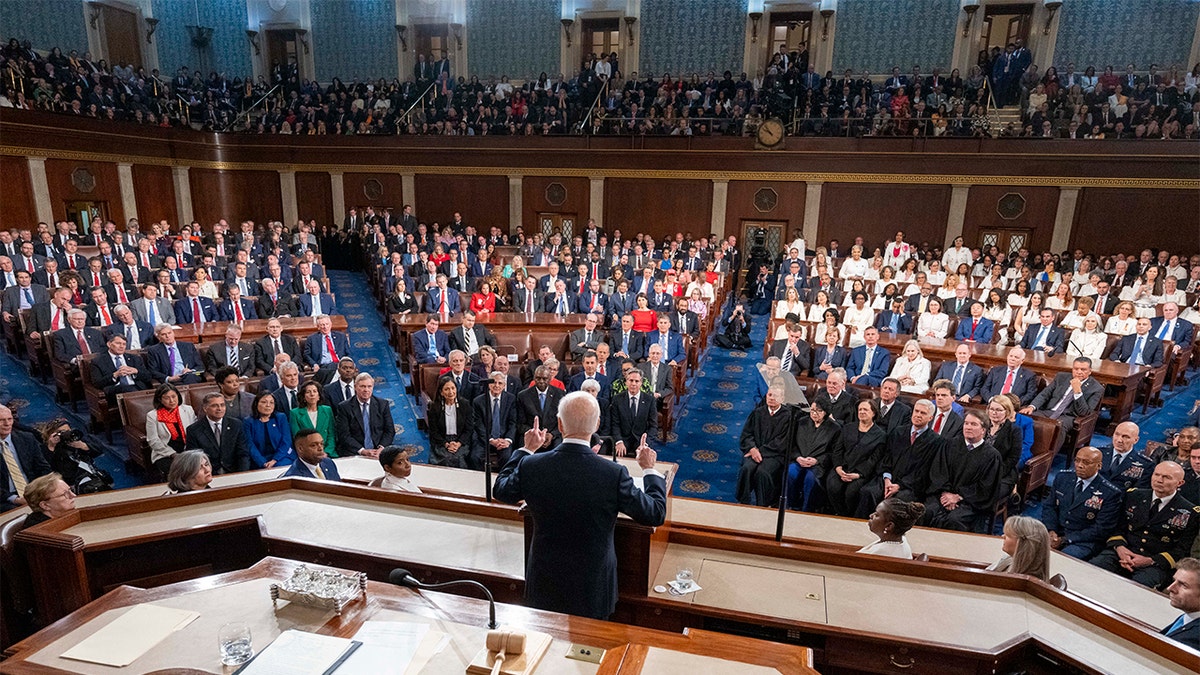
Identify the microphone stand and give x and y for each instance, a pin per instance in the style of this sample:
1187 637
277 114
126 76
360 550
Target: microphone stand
487 471
401 577
782 499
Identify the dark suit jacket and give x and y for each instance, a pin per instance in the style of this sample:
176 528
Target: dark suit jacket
420 345
225 310
218 357
624 425
159 363
183 310
1152 350
693 323
227 455
433 301
881 364
1087 518
838 359
1109 305
913 303
550 302
1181 335
33 464
972 378
637 343
348 418
304 302
103 371
528 408
983 332
899 415
66 346
283 304
1024 383
264 351
574 496
483 336
297 469
519 303
666 380
315 344
883 321
844 409
145 332
800 362
336 391
483 422
1055 337
1049 397
952 425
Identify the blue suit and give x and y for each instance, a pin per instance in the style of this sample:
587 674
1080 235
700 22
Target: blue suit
270 440
183 310
574 496
1180 335
225 311
881 365
1024 383
420 346
674 351
1083 521
1134 472
1152 350
585 302
1056 338
550 303
885 319
306 304
576 382
618 307
837 359
298 470
315 348
983 332
433 301
972 378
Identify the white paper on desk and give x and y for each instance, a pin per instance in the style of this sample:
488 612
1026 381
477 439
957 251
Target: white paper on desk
296 652
132 634
388 647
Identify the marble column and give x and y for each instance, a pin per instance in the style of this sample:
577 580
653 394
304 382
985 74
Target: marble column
408 191
596 201
958 213
1064 218
128 200
515 205
720 202
183 194
337 191
41 190
287 193
812 213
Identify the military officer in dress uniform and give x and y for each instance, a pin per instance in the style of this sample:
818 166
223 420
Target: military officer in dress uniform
1083 508
1156 529
1123 466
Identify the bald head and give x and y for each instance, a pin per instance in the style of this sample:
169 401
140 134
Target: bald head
578 416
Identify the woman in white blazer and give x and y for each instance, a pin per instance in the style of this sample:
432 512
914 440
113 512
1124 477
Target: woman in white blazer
166 426
912 369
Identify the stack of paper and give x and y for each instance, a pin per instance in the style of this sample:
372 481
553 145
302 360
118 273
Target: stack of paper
134 633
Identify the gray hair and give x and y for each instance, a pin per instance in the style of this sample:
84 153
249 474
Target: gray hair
183 467
287 367
579 414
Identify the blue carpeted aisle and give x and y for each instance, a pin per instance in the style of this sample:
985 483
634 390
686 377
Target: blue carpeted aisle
369 338
705 440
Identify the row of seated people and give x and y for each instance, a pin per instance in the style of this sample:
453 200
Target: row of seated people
848 453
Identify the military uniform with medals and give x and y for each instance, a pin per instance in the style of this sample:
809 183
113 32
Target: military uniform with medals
1165 537
1083 519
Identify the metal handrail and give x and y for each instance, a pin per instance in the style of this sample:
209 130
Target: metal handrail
592 108
247 111
417 102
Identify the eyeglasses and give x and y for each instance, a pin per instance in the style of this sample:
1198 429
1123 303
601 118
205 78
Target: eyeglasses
69 494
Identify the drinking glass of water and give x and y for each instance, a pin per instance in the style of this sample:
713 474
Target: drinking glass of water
234 641
684 578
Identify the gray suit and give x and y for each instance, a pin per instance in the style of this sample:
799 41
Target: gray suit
1050 397
663 385
162 309
11 300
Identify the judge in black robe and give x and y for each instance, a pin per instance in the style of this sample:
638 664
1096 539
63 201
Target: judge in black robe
972 473
766 445
1008 441
905 463
805 485
857 454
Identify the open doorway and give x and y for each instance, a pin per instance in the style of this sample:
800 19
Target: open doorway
284 55
1005 24
84 212
121 35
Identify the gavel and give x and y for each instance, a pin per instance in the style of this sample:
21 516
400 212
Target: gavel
504 643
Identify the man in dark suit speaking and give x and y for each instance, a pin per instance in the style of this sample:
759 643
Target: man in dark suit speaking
574 496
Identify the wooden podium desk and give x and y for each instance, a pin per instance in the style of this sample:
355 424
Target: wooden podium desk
244 596
298 327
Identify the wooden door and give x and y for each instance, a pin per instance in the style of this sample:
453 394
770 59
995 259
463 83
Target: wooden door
84 212
1008 240
562 223
601 36
282 51
122 37
431 39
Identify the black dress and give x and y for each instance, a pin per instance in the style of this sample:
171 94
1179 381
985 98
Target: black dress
805 486
856 452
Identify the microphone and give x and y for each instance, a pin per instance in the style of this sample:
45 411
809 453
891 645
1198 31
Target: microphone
401 577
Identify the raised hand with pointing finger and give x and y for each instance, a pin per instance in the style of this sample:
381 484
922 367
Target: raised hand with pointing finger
646 456
536 437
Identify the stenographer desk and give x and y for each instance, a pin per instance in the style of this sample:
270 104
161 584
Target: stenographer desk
244 596
947 615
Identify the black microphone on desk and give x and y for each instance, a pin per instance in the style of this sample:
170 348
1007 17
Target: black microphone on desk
402 577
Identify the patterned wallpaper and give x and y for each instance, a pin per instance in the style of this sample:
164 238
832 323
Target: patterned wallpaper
354 39
228 52
686 36
875 35
1118 32
45 23
518 38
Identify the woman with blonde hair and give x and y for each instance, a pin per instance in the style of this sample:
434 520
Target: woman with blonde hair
1122 322
1088 340
1026 548
912 369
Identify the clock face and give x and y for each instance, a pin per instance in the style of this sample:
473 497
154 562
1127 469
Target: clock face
770 132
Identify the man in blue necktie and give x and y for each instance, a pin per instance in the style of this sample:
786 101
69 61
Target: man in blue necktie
1184 592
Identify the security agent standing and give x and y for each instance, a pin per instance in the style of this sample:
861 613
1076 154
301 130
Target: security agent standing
574 496
1083 507
1156 529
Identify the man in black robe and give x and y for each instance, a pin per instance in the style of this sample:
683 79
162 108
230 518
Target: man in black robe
904 467
766 442
964 479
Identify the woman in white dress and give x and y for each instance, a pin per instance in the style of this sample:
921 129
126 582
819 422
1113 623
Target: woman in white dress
908 272
1171 292
790 304
858 318
912 369
1123 321
946 291
933 323
1082 311
936 275
1061 300
995 308
816 311
994 279
887 275
854 267
830 321
1143 292
1027 315
1089 340
890 520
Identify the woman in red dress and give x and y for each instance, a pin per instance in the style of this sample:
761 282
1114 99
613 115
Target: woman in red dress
644 318
484 301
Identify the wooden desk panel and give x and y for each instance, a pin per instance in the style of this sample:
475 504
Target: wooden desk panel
242 596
